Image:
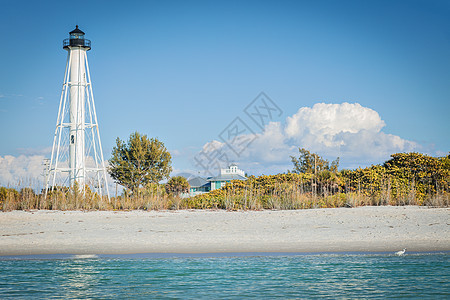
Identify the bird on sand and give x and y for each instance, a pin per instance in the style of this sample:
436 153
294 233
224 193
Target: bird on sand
401 252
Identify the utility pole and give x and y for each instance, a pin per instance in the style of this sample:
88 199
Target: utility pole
315 174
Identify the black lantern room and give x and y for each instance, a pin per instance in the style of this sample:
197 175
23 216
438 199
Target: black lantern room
77 40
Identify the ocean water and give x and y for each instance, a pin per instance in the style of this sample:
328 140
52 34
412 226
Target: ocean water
232 276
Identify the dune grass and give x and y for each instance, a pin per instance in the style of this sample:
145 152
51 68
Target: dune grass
232 197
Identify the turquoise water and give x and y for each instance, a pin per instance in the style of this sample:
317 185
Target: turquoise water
227 277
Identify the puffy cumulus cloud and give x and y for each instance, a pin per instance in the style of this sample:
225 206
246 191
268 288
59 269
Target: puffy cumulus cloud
347 130
350 131
22 170
264 149
212 146
323 121
269 146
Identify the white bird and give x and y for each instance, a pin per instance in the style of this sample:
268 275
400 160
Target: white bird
401 252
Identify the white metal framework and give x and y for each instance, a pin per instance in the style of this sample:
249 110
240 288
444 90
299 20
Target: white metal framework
77 155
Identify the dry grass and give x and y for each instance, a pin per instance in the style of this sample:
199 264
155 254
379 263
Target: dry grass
283 197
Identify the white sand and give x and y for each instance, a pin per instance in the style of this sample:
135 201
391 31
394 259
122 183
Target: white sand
314 230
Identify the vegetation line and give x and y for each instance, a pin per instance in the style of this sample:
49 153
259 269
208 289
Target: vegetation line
405 179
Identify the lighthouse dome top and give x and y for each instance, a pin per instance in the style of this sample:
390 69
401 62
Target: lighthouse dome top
77 40
76 31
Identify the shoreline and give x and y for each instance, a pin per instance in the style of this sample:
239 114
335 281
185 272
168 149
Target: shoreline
200 232
204 255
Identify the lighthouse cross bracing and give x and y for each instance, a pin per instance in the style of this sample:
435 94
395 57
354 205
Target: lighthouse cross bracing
77 156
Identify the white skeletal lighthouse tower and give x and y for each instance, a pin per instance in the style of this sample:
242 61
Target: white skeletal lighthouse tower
77 155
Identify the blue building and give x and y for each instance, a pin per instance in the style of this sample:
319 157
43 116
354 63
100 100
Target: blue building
226 175
199 185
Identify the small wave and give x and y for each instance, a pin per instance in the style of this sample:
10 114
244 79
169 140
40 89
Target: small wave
84 256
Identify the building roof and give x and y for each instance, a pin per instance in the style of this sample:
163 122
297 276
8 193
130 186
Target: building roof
197 182
227 177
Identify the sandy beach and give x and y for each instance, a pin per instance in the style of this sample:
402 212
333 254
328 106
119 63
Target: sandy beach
315 230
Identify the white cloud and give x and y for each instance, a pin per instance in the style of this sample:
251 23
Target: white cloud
28 171
212 146
348 130
21 171
323 121
270 146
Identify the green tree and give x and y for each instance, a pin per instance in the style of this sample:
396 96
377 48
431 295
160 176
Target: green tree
324 176
139 162
427 174
177 185
311 163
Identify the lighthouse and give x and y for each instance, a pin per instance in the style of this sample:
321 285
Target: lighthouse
77 156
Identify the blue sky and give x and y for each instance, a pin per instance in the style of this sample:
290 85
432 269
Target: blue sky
182 71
